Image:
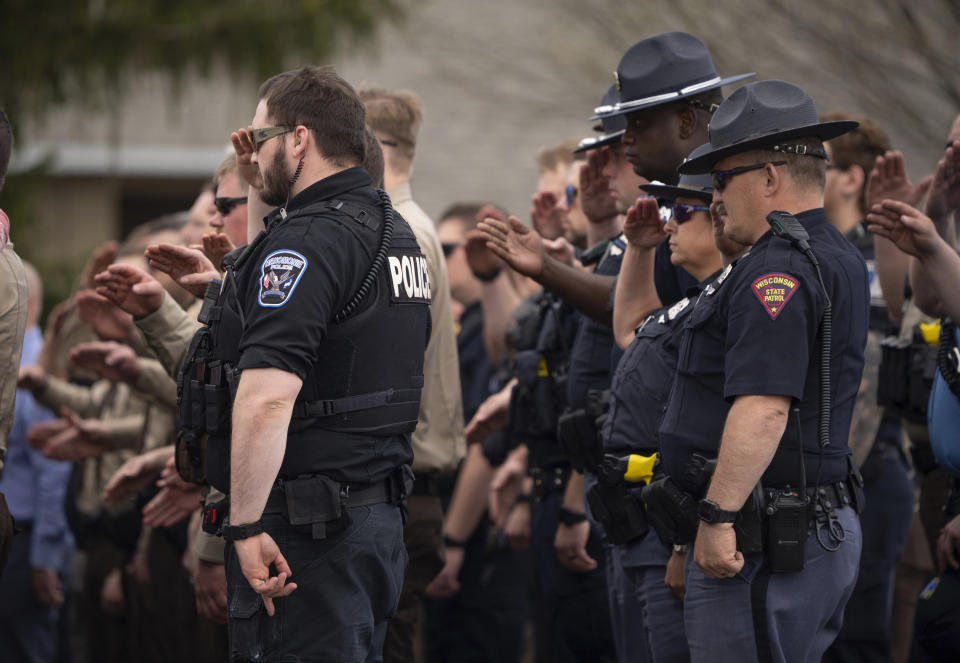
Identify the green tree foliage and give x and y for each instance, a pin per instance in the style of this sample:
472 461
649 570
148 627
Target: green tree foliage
54 51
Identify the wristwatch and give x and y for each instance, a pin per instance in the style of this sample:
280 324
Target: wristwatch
238 532
570 518
450 542
710 512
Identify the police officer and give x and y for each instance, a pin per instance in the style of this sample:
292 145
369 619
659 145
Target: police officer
645 574
772 388
320 328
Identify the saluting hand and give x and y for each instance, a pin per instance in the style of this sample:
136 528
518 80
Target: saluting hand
643 226
132 289
108 359
547 215
216 246
519 246
909 229
242 141
889 180
181 263
108 321
945 190
256 554
716 551
598 197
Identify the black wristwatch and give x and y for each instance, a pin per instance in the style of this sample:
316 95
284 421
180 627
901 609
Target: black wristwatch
449 542
570 518
237 532
710 512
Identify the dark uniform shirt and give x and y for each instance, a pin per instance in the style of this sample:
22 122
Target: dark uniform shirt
757 333
298 277
643 378
590 353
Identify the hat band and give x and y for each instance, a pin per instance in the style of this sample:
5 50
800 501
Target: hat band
605 110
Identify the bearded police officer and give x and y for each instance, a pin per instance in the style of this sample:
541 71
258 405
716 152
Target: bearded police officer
320 327
770 362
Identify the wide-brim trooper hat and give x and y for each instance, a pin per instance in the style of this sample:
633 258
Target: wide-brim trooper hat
763 114
613 126
662 69
689 186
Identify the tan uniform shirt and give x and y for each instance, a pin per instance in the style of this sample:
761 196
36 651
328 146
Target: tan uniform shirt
13 322
439 442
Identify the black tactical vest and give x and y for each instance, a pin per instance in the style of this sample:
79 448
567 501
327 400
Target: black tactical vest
360 383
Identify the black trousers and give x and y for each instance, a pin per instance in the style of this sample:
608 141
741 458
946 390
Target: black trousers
348 586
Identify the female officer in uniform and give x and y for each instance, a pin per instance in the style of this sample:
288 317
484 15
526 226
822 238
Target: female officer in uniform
643 573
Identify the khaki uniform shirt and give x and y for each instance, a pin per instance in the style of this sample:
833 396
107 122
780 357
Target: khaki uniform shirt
439 442
13 322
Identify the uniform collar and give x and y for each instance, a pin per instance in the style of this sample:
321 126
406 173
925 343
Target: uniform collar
809 219
325 189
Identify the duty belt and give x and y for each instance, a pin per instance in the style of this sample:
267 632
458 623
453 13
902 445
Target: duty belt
548 482
356 495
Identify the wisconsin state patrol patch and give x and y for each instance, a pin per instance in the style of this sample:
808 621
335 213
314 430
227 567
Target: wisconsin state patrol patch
280 273
774 291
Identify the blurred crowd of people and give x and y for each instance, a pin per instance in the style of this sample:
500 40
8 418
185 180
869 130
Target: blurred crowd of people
513 549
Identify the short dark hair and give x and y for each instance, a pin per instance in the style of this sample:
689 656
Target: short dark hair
860 147
6 145
319 99
373 163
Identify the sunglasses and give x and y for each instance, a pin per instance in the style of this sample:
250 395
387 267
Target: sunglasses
680 212
261 136
722 177
571 193
225 205
449 247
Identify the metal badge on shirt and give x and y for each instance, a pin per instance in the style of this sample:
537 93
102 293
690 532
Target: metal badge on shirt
280 273
409 277
774 291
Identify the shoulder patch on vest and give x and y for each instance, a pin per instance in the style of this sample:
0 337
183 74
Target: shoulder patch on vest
409 278
774 291
280 273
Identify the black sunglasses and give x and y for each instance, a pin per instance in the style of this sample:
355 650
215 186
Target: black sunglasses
449 247
225 205
721 177
680 212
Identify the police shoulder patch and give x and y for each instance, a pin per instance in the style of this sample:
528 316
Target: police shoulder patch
774 291
409 278
280 273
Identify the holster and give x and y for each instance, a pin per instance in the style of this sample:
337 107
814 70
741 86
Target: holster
533 405
579 440
317 503
906 376
749 524
620 512
191 455
671 511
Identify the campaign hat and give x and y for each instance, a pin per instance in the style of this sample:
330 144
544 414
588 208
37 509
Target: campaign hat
661 69
688 186
613 126
764 114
